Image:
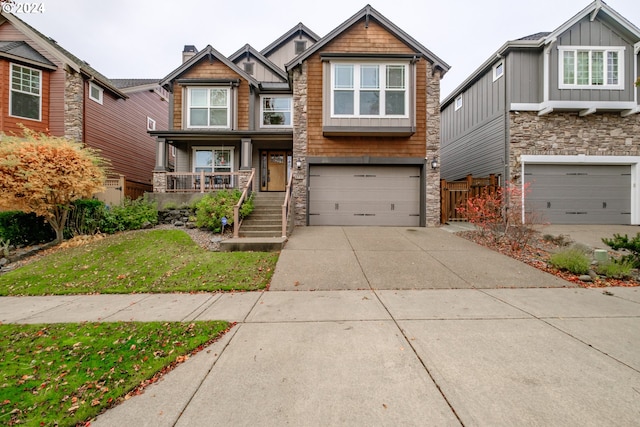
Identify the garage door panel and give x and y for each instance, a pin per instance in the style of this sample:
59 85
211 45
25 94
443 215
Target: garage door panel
579 194
364 195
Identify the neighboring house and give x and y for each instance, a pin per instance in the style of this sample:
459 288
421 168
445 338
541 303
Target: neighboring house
352 118
557 111
48 89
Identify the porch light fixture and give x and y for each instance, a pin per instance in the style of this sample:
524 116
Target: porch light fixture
298 164
434 163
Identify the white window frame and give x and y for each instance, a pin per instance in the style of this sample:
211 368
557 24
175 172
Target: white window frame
620 50
458 102
228 107
498 70
151 124
100 97
11 90
213 149
262 97
382 78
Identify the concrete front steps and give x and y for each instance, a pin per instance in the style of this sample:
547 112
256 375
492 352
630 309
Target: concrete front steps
262 229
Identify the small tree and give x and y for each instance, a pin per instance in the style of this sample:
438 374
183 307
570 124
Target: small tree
45 174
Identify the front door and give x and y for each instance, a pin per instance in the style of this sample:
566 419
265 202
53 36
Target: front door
274 171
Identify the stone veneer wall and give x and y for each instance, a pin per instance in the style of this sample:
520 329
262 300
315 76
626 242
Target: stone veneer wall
433 147
300 142
606 134
73 99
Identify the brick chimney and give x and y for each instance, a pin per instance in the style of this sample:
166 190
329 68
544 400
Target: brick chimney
188 52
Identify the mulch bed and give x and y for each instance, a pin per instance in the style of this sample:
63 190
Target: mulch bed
537 253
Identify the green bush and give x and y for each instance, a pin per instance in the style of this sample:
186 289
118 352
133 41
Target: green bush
573 260
623 242
617 269
24 229
214 206
85 217
131 215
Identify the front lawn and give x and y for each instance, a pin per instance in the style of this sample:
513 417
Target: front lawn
65 374
141 261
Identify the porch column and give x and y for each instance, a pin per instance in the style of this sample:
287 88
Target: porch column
246 154
161 155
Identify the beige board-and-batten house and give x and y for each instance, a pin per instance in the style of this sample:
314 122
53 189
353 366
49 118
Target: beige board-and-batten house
351 120
557 113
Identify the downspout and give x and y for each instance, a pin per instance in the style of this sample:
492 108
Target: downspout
636 50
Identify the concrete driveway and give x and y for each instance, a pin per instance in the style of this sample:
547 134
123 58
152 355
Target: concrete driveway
351 258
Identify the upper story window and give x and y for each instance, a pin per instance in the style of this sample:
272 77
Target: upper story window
26 92
498 70
249 68
276 111
208 107
151 124
369 90
591 67
458 103
95 92
300 46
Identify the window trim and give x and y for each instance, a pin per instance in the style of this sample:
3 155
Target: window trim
500 65
213 149
100 97
151 124
620 50
262 125
11 90
457 102
188 105
382 87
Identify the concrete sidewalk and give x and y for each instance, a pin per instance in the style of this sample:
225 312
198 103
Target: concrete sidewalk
386 357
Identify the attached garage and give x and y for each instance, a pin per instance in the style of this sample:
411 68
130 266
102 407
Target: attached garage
365 195
579 193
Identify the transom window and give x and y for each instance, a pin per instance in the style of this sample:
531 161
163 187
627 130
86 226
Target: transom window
208 107
369 90
592 68
276 111
26 90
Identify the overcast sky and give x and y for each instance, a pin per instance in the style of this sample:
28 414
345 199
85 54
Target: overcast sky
144 38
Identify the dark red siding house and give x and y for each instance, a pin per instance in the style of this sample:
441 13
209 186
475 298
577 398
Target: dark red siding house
48 89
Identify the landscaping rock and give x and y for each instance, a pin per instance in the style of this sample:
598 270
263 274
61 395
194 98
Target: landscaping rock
3 262
178 223
586 278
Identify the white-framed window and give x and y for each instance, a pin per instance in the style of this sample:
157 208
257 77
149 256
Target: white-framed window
213 159
498 70
591 67
458 103
208 107
369 90
96 93
26 93
151 124
276 111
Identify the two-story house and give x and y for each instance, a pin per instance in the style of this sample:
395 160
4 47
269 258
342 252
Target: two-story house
48 89
351 118
557 113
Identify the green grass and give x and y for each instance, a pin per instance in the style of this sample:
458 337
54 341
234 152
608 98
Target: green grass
64 374
145 261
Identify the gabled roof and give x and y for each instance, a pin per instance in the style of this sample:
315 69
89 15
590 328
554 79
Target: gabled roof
294 32
21 51
211 53
64 56
247 50
366 13
597 8
137 85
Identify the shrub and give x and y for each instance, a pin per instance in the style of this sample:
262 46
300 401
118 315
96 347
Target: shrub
132 215
214 206
24 229
617 269
572 260
623 242
85 217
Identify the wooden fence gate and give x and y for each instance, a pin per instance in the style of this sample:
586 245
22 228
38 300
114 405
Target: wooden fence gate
454 194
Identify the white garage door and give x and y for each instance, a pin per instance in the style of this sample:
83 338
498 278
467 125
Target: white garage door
579 194
364 195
